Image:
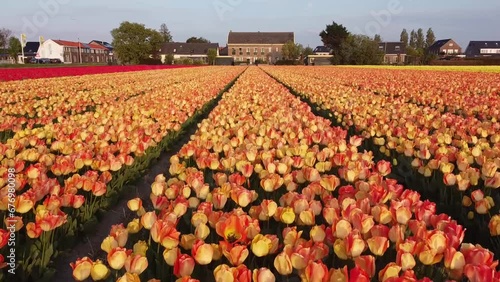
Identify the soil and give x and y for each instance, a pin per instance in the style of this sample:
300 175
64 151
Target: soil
91 246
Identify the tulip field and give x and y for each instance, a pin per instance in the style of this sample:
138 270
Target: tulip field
314 174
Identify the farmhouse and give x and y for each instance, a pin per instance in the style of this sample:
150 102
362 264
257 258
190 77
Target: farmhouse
182 50
108 46
445 47
72 52
394 52
30 51
483 49
258 46
321 56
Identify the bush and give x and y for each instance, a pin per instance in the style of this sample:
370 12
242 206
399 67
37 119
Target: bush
169 59
150 61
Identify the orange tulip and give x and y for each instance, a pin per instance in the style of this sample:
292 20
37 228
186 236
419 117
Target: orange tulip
263 275
242 274
202 252
129 277
109 243
367 264
390 270
283 264
223 273
33 230
235 254
261 245
136 264
405 260
232 229
316 272
82 268
330 183
164 232
494 225
117 257
454 260
378 245
339 275
184 265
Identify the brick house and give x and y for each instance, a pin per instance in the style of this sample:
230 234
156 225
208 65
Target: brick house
72 52
445 47
252 46
111 55
394 52
181 50
483 49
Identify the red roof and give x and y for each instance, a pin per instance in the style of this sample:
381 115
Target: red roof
79 44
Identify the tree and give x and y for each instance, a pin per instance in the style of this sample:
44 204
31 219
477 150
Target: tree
291 51
413 39
211 55
308 51
197 40
165 33
5 35
133 42
420 40
404 37
14 47
360 50
377 38
333 36
430 38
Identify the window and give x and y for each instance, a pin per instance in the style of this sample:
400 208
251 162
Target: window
270 49
451 44
262 51
277 49
241 51
398 48
234 51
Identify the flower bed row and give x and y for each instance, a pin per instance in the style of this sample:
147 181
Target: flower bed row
9 74
63 174
465 93
35 103
267 191
449 159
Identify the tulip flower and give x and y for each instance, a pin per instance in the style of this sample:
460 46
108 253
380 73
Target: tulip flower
202 252
184 265
263 275
82 269
117 257
99 271
136 264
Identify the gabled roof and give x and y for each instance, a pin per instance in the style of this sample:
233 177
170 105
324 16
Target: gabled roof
66 43
440 43
103 43
260 37
392 48
31 47
322 49
474 48
183 48
223 51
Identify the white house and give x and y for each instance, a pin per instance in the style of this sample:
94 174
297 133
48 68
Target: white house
51 49
195 51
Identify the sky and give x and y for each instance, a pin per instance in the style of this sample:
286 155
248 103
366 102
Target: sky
461 20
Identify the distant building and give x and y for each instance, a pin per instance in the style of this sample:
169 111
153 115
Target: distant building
72 52
445 47
394 52
181 50
483 49
30 51
258 46
111 55
321 56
